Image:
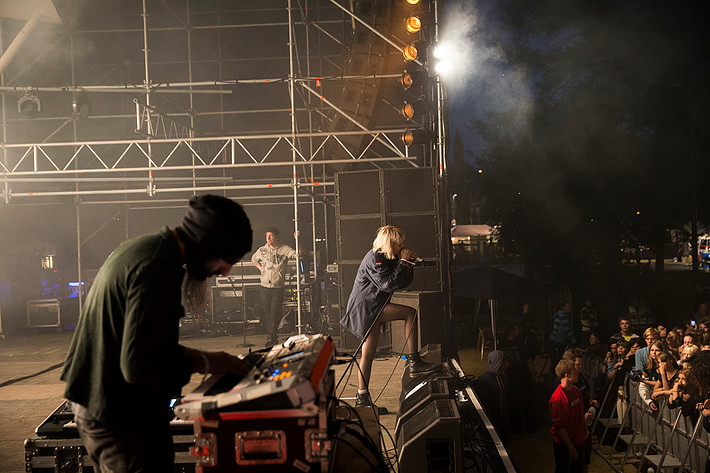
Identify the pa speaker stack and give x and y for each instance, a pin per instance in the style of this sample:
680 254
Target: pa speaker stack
428 428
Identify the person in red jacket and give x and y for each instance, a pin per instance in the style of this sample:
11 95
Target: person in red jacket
568 429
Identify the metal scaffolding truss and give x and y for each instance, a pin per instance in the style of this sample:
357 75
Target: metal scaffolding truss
170 144
198 125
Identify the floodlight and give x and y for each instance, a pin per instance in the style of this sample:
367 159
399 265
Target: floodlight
80 105
413 24
415 137
415 77
410 110
415 51
410 52
29 104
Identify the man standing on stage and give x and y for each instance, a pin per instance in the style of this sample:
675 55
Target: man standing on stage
271 260
568 429
125 363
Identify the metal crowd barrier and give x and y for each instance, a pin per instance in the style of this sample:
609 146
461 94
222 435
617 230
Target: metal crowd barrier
664 437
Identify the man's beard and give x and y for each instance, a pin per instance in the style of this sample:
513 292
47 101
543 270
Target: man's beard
194 294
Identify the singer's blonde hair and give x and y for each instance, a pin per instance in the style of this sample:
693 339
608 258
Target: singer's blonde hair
387 237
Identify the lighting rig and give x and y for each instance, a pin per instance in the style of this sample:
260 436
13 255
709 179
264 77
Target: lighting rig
416 85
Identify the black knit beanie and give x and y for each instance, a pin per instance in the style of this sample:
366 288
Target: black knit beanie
216 227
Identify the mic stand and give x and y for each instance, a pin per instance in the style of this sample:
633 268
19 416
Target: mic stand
244 312
380 410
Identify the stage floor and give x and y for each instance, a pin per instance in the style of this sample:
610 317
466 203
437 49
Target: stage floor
30 388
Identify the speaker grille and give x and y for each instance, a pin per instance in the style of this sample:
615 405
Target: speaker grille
431 388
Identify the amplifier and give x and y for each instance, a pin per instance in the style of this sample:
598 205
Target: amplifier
43 313
431 320
431 440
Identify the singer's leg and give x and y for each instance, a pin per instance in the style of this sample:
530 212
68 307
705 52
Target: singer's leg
369 350
408 314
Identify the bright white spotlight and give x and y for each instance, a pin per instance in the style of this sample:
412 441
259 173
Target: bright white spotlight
444 68
443 51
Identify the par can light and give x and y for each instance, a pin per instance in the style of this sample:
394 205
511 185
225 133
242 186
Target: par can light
414 137
410 52
413 24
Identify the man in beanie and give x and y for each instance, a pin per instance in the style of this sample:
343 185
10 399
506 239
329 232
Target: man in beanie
125 363
271 260
492 390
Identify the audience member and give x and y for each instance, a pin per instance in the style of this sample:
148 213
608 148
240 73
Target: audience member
620 364
704 331
687 352
674 341
698 382
491 388
650 335
651 376
589 398
561 337
624 332
702 312
662 332
668 371
588 320
610 354
520 380
680 397
690 338
594 346
639 316
568 430
529 335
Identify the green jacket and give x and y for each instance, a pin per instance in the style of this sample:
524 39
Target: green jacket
125 362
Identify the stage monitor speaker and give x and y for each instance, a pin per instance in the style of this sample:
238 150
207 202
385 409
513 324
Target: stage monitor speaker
431 440
430 318
358 193
410 190
443 373
421 395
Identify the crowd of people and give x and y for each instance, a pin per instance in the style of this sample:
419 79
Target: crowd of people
671 364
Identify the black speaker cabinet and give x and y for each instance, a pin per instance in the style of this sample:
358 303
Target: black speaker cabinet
410 190
431 440
358 193
227 304
418 398
420 233
355 236
430 318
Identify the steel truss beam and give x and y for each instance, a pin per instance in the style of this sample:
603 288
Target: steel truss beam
231 151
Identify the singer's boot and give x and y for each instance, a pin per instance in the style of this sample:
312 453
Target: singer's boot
418 366
363 400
